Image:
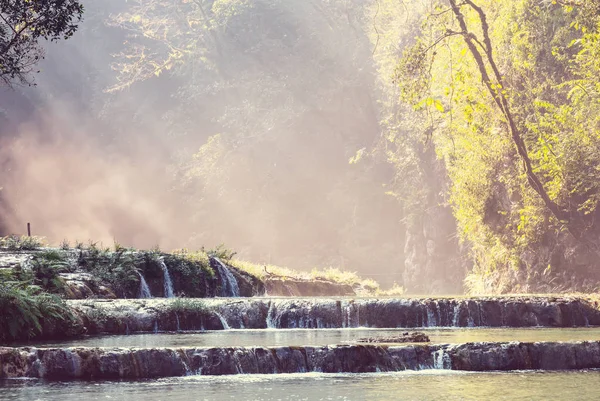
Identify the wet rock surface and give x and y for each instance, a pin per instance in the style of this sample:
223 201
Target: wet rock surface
119 363
306 288
147 315
415 337
125 316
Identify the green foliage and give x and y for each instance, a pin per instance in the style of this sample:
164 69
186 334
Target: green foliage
548 55
331 274
221 252
27 312
118 269
186 305
46 267
26 23
22 243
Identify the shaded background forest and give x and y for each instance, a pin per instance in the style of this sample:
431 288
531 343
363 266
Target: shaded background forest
307 133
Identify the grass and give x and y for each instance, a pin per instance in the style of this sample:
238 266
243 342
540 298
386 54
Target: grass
181 305
198 258
395 291
22 243
120 267
330 274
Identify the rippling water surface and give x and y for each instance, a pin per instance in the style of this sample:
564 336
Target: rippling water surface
427 385
300 337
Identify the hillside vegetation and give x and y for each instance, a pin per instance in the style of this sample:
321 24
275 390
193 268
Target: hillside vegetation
439 146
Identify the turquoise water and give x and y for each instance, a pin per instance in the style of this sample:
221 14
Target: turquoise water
427 385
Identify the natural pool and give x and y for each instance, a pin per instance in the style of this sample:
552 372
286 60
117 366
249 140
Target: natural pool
301 337
424 385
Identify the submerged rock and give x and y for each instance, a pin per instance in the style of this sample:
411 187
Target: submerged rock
415 337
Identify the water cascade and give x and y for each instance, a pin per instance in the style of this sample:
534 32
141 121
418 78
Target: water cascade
441 359
135 363
229 286
223 321
144 289
261 313
168 284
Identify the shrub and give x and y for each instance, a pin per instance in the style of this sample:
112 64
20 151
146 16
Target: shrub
221 252
46 267
28 312
22 243
118 269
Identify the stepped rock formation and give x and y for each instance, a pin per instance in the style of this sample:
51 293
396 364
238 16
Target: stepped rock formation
163 275
146 315
97 363
306 288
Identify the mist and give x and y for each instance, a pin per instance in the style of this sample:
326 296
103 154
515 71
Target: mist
245 140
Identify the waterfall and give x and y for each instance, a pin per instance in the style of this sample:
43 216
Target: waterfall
431 322
271 324
456 316
223 321
168 284
144 289
347 319
229 285
441 360
470 321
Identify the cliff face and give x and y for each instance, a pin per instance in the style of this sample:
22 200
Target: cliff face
434 261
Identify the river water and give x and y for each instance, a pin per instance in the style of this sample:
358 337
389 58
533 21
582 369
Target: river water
301 337
424 385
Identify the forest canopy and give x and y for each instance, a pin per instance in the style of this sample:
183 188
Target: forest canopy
442 145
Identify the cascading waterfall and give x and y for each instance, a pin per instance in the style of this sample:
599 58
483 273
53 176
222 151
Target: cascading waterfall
168 284
441 360
431 322
260 313
223 321
229 287
144 289
456 315
271 323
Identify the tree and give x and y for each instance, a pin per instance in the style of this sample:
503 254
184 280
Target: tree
23 24
509 92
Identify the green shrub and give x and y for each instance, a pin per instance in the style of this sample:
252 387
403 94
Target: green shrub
28 312
22 243
221 252
118 269
188 305
46 267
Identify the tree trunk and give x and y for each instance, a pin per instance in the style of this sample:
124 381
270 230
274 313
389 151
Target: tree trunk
495 90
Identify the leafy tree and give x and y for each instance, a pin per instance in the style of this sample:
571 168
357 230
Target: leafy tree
502 86
23 24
